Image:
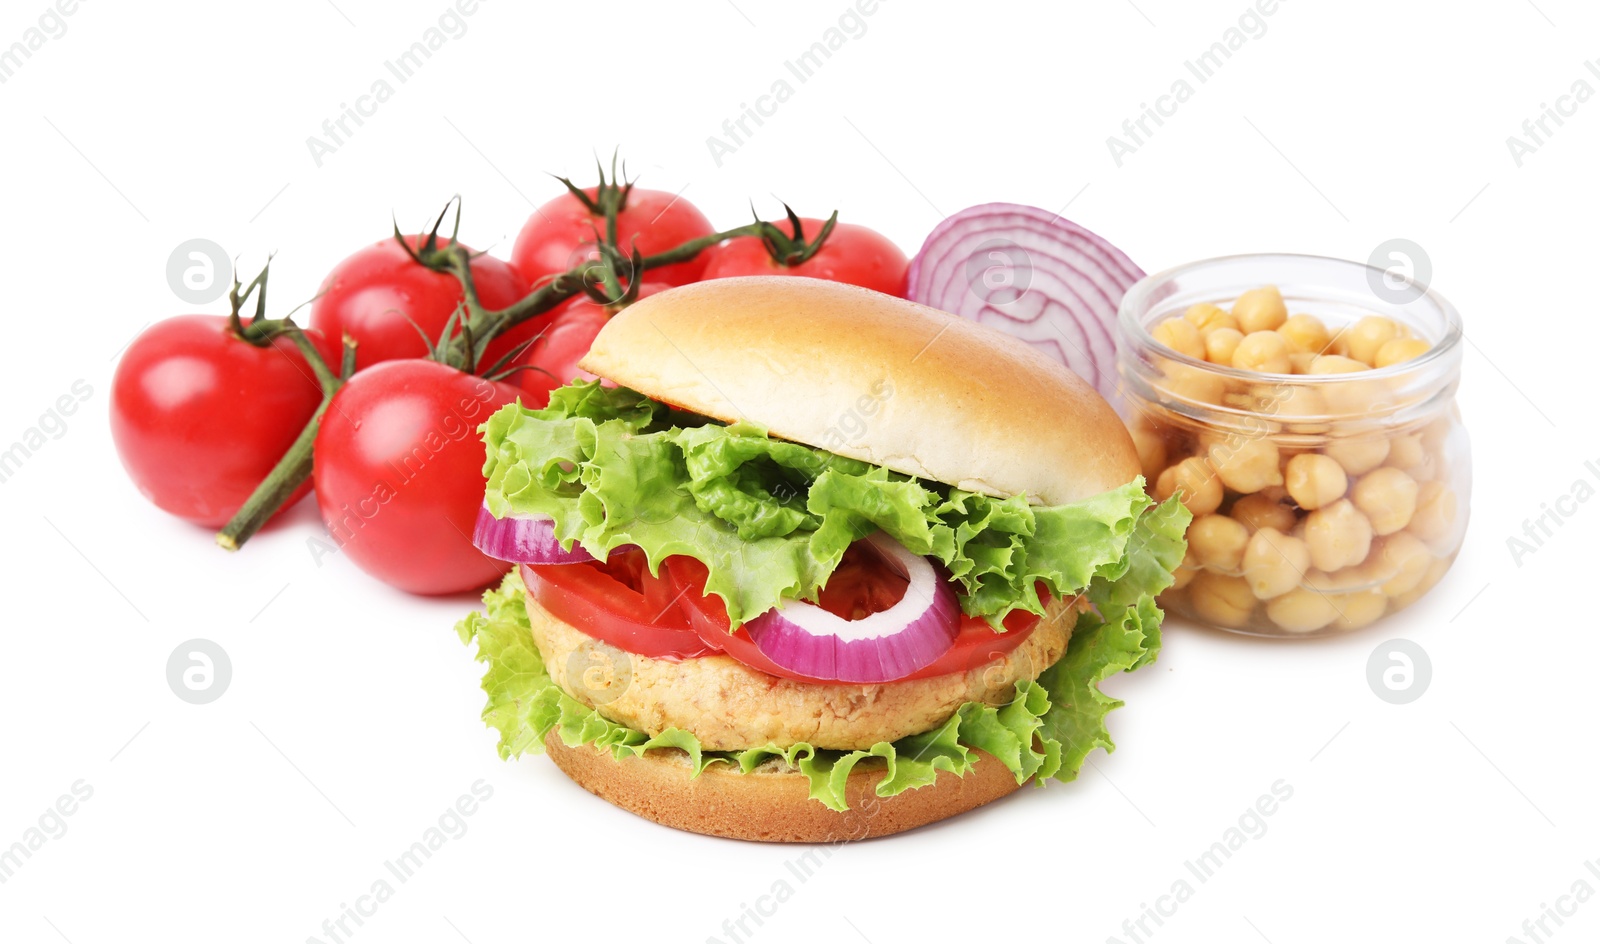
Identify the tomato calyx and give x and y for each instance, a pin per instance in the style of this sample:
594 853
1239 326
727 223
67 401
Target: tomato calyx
610 196
793 249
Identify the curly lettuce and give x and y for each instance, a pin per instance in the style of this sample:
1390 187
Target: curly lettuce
1046 731
771 519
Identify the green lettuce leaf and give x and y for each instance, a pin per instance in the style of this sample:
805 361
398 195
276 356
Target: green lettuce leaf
772 519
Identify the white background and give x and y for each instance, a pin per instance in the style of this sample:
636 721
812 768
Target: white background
352 718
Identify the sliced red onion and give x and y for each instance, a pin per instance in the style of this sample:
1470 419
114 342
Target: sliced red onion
523 539
1031 274
881 647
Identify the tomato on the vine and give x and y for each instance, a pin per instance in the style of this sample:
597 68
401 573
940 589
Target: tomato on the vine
561 234
399 474
200 416
849 253
387 301
552 360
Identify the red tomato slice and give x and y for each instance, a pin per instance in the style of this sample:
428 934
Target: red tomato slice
855 589
617 602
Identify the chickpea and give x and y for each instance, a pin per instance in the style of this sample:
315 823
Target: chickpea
1305 334
1435 517
1151 445
1184 574
1260 511
1218 542
1194 384
1406 452
1202 490
1264 351
1302 611
1314 480
1221 344
1358 456
1296 404
1338 535
1274 563
1180 336
1388 497
1336 364
1221 599
1300 362
1208 317
1260 309
1410 559
1248 466
1436 435
1435 572
1359 609
1399 350
1365 337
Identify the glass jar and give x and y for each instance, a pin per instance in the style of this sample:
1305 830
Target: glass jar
1322 501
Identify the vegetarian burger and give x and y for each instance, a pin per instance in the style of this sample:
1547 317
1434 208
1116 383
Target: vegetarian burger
813 563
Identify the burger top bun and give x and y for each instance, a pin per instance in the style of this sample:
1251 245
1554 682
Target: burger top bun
872 377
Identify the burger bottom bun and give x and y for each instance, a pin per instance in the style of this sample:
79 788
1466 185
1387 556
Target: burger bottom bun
771 803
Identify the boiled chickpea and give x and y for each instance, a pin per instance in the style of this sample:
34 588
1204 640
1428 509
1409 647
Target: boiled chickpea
1274 563
1388 497
1406 452
1263 351
1260 309
1305 334
1184 574
1358 456
1338 535
1247 466
1202 490
1260 511
1398 351
1435 572
1408 556
1314 480
1365 337
1359 609
1151 445
1221 343
1221 599
1194 384
1180 336
1435 517
1208 317
1218 542
1302 611
1300 362
1336 364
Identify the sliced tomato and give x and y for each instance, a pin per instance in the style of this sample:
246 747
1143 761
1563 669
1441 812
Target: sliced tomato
617 601
862 584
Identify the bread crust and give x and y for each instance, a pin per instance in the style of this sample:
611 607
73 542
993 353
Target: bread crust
875 378
771 803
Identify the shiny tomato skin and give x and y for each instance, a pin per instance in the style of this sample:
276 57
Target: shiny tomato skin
644 621
852 254
199 416
561 233
563 342
376 295
399 474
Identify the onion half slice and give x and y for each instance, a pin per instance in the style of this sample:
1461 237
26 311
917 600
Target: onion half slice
882 647
529 539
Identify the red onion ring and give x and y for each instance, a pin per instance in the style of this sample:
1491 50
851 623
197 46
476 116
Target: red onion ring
523 540
881 647
1033 275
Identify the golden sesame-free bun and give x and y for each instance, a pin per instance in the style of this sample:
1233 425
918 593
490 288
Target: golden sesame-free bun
770 803
872 377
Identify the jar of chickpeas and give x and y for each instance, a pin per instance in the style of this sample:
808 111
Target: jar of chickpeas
1304 410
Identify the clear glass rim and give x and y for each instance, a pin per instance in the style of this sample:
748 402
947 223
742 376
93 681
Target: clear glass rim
1133 327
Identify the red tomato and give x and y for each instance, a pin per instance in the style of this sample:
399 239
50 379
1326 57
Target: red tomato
862 592
200 416
399 474
563 343
617 602
851 253
382 297
561 234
